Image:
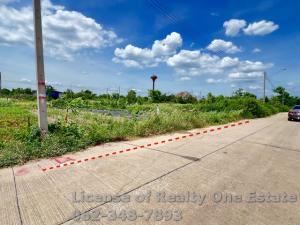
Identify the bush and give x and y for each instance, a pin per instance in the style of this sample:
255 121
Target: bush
20 141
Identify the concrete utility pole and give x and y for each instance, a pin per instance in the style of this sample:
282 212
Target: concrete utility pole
264 95
40 73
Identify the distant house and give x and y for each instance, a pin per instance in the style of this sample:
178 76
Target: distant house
185 97
54 94
184 94
51 94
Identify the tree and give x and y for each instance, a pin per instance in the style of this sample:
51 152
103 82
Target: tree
282 95
49 89
69 94
248 94
155 96
239 92
210 98
115 96
131 97
25 93
4 92
242 93
86 94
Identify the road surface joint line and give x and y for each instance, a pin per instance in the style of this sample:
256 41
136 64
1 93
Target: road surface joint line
45 169
236 141
170 153
273 146
17 196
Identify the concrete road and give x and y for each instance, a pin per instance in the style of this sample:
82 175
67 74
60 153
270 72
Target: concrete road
244 174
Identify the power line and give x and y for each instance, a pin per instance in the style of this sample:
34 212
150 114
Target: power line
158 6
270 82
174 17
276 73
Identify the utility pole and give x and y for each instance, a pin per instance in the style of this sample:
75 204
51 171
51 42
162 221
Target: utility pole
264 95
0 81
40 73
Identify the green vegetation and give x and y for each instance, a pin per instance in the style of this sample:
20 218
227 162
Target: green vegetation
74 125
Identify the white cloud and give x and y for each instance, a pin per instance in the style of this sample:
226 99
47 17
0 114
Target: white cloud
262 27
54 83
185 78
167 46
16 25
189 63
25 80
245 75
132 56
250 66
215 81
233 26
254 87
229 62
219 45
194 63
256 50
65 32
128 63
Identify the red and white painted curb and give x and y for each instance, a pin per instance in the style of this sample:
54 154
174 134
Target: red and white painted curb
105 155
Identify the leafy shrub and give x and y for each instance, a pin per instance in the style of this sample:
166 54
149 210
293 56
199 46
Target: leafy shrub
1 145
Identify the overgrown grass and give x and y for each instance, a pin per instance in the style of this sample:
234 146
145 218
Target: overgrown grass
20 140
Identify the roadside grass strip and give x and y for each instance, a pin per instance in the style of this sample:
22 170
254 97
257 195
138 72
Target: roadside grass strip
162 142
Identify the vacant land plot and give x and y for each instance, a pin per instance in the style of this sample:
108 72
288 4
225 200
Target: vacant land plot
74 128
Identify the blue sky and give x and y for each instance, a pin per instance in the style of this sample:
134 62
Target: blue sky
196 46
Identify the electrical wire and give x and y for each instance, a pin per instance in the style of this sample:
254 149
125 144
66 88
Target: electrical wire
158 6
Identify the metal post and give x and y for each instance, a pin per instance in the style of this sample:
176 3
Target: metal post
264 95
40 73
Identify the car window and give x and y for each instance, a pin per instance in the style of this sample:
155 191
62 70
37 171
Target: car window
297 107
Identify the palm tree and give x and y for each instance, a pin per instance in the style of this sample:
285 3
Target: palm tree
153 78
